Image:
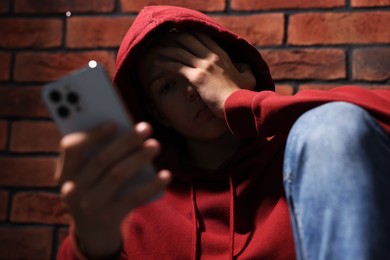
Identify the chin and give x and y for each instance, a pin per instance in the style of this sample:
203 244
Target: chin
211 132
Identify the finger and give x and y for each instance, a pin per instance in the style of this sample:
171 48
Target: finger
209 43
111 154
176 54
73 148
67 189
80 141
124 172
192 44
247 78
176 67
242 67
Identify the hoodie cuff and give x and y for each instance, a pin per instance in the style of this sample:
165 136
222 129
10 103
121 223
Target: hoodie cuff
238 113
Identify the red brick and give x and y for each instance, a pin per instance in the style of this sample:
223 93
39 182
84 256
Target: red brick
22 102
201 5
326 64
5 64
4 6
272 34
339 28
36 33
3 135
34 137
27 172
3 205
92 32
25 243
61 6
47 66
284 90
317 86
251 5
38 207
366 3
371 64
329 86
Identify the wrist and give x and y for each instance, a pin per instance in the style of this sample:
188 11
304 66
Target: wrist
224 97
99 245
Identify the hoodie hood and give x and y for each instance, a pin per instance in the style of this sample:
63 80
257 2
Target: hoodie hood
152 20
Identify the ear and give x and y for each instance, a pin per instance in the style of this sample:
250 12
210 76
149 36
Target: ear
157 115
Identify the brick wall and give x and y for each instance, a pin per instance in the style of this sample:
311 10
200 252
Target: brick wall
308 44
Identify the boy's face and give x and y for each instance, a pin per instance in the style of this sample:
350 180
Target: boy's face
175 103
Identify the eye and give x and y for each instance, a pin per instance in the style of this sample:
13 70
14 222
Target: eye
167 87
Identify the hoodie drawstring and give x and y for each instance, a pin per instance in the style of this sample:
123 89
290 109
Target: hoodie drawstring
231 216
231 220
195 224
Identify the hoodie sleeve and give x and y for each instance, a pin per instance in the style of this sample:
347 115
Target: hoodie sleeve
267 113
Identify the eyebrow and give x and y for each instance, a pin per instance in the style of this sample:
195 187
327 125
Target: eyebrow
155 77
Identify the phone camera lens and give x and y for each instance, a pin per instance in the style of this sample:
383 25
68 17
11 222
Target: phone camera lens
63 111
55 96
73 98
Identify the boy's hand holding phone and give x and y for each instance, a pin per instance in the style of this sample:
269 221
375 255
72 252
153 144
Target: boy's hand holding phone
104 167
93 188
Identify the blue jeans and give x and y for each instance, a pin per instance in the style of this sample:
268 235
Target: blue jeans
337 183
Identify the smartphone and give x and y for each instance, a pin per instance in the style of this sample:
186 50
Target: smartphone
85 99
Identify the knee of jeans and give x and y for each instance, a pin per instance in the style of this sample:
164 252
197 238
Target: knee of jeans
320 137
335 123
331 132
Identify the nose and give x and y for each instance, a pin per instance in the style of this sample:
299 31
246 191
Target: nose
191 93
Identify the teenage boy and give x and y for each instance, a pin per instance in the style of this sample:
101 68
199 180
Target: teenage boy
221 132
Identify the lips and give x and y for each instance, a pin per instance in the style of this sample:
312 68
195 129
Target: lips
200 112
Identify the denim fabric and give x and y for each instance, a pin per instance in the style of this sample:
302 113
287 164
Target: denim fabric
337 183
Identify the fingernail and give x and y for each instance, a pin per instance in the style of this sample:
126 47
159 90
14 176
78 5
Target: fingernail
141 127
165 175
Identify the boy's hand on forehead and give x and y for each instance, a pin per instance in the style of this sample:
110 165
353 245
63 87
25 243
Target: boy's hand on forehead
206 66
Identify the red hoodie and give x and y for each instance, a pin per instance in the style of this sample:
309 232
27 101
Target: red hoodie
238 210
